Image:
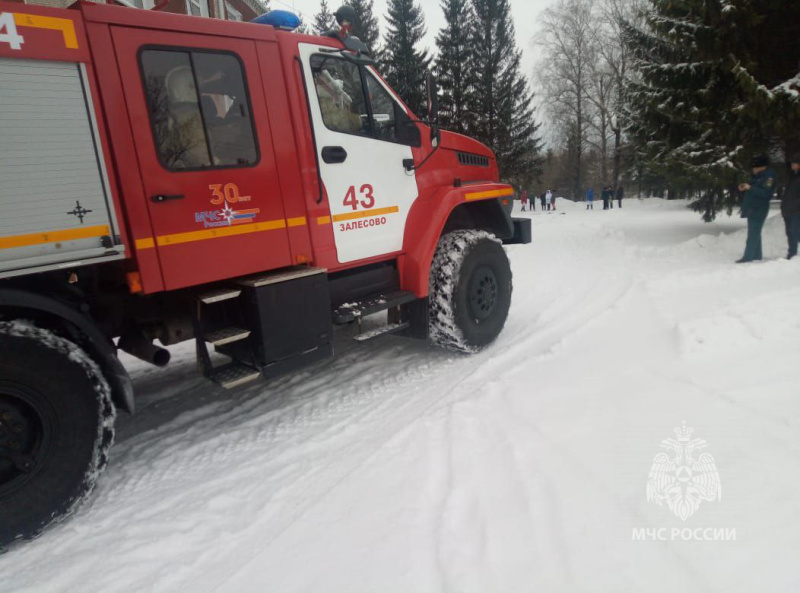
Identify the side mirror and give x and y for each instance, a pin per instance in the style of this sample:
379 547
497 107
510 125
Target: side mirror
432 91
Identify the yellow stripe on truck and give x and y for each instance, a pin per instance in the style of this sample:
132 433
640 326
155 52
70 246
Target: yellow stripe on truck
365 214
88 232
66 26
216 233
148 243
494 193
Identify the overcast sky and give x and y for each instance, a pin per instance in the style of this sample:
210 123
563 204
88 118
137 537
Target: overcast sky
524 12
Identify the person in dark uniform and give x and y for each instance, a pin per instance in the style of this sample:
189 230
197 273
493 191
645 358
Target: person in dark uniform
755 207
790 206
606 197
620 195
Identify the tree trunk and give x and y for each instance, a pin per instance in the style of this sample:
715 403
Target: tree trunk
617 154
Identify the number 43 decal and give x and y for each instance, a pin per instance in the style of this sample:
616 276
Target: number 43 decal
367 201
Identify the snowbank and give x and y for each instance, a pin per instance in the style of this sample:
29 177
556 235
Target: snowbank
522 468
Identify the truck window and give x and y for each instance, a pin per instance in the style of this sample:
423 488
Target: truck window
391 121
341 95
199 109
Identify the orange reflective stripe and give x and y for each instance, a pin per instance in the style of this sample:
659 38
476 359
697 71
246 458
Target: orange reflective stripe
147 243
88 232
495 193
216 233
365 214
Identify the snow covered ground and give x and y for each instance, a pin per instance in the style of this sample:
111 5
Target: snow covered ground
396 468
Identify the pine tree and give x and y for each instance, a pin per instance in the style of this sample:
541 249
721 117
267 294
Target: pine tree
303 28
366 26
323 20
502 101
452 67
716 81
405 66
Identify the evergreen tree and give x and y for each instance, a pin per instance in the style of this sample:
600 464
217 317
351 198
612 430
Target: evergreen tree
303 28
323 20
452 67
502 101
406 66
716 81
366 25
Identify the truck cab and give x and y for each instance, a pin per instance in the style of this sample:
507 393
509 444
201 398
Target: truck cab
169 178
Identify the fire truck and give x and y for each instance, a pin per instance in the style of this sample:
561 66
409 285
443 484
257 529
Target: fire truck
166 178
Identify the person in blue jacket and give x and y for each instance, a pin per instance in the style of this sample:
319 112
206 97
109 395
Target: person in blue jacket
755 207
590 199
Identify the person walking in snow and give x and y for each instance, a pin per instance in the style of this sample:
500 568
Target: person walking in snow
532 201
524 200
790 206
606 197
590 199
620 195
548 198
755 207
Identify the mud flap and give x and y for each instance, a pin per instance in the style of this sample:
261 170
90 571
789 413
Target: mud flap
522 232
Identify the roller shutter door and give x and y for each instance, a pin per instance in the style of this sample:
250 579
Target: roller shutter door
53 191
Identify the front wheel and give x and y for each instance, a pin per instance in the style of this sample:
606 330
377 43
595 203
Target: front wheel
469 291
56 427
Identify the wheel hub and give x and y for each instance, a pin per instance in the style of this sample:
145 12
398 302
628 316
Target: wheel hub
483 293
23 437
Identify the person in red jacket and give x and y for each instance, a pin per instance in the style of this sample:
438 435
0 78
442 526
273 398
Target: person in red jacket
524 199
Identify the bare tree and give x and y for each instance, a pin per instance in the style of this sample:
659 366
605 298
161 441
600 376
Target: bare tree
565 76
613 69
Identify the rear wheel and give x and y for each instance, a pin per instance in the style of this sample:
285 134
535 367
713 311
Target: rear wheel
470 291
56 427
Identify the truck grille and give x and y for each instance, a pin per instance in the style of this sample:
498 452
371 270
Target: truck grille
472 160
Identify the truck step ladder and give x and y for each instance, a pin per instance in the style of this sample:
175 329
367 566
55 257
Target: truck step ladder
352 311
218 295
280 276
219 308
227 335
234 374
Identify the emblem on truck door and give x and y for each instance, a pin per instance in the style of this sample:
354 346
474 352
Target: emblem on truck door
224 195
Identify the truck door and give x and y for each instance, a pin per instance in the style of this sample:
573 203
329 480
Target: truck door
363 135
200 126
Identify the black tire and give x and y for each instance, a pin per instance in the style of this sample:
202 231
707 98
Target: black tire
470 291
56 428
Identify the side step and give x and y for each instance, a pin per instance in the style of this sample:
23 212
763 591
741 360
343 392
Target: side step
392 328
218 295
352 311
227 335
234 374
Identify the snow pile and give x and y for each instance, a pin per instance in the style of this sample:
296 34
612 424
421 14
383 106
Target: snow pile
395 467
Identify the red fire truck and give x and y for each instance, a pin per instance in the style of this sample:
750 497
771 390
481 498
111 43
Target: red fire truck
170 178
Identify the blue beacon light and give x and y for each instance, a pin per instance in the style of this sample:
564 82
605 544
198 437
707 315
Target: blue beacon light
280 19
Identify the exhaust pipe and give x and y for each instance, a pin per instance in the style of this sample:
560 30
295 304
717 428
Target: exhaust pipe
136 344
